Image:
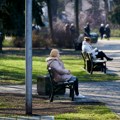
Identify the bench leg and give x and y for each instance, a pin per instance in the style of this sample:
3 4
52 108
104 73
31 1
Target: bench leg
105 68
51 95
91 68
72 92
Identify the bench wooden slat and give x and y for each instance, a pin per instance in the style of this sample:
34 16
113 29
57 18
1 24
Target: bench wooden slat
90 63
56 86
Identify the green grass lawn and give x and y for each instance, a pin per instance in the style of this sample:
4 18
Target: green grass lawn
89 112
111 38
12 71
60 110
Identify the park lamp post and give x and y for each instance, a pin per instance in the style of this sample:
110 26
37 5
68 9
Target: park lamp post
28 55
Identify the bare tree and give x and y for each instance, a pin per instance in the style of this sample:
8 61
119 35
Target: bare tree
50 17
106 8
77 15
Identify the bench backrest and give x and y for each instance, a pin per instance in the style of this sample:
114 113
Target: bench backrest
90 57
84 55
51 73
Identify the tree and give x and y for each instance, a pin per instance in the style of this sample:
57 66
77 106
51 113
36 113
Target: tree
114 15
37 12
12 16
12 13
50 16
54 6
77 15
106 5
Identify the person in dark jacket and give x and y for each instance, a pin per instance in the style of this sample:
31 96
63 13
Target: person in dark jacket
87 30
107 31
102 30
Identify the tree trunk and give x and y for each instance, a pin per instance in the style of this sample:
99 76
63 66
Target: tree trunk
96 12
1 35
106 9
50 18
54 6
77 15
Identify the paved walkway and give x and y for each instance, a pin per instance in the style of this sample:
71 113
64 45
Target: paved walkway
106 92
112 49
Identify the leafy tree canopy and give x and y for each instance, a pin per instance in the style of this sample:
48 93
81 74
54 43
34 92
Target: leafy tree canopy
12 14
114 15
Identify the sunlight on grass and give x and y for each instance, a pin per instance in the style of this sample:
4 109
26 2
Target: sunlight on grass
85 111
115 38
12 69
89 112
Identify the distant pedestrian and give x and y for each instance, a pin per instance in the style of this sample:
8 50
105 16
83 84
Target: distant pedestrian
102 30
87 30
73 32
68 40
107 31
72 29
67 28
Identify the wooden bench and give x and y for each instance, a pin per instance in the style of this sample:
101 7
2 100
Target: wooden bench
85 59
56 86
44 86
91 64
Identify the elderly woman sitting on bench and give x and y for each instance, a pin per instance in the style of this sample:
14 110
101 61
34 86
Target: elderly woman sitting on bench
86 47
62 74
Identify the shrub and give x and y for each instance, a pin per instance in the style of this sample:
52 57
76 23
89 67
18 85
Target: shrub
19 42
41 38
62 37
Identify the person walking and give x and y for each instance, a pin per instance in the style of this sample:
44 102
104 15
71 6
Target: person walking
74 35
87 30
107 31
102 30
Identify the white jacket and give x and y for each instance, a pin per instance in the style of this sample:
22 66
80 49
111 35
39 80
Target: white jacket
86 47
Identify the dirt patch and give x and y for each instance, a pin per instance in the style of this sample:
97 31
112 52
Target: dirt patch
14 104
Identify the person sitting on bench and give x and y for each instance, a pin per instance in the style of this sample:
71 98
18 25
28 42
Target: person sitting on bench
62 74
86 47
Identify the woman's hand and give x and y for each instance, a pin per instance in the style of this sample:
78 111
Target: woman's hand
96 49
69 72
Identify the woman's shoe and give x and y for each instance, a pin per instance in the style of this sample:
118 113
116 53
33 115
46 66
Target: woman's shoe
109 59
79 96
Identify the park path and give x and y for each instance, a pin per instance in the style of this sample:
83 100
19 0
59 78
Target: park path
112 49
106 92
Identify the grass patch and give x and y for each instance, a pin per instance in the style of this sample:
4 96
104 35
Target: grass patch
12 69
89 112
61 110
115 38
111 38
8 42
114 32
